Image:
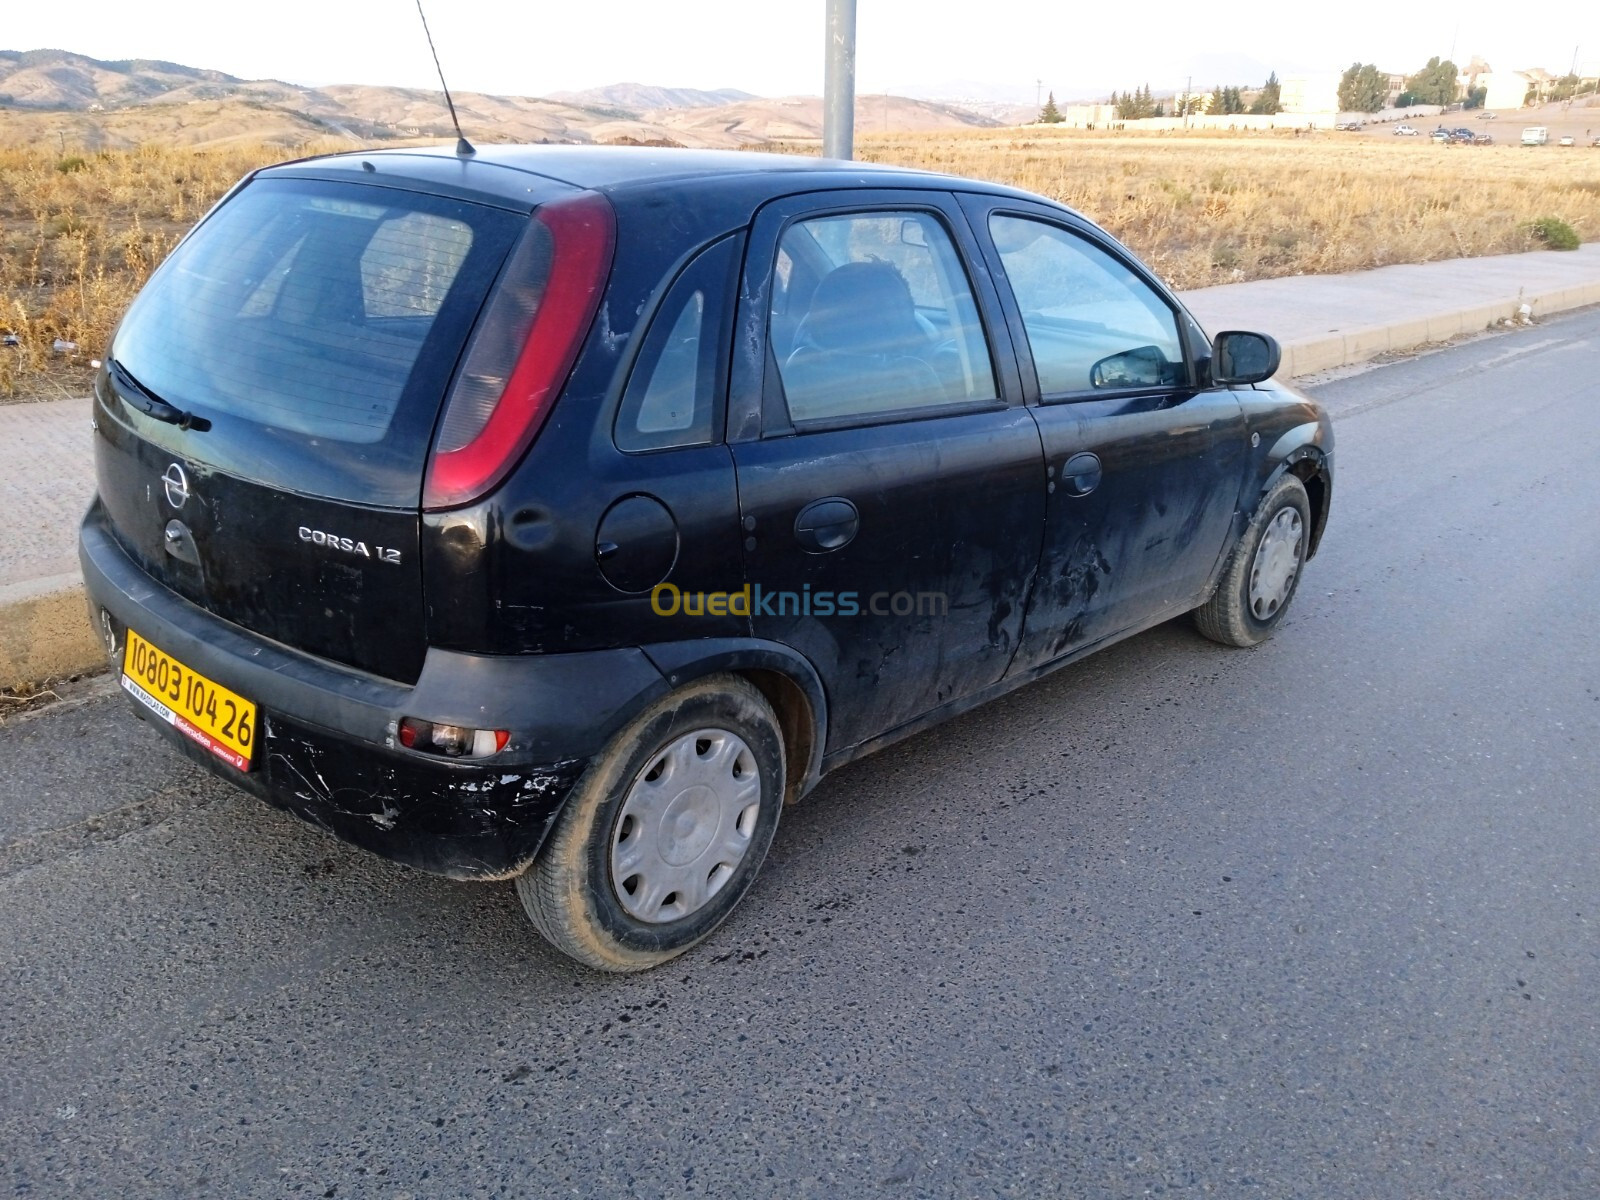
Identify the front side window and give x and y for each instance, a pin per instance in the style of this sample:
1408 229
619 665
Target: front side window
1092 324
873 315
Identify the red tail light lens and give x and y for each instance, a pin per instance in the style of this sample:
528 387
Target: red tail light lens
523 348
451 741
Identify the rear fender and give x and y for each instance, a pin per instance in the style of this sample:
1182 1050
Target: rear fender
760 660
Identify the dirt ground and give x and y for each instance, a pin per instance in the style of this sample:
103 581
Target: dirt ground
1580 120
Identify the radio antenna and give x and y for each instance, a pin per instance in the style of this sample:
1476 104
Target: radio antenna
464 148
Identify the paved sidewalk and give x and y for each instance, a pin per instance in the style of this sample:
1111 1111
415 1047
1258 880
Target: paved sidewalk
1328 321
1323 321
46 480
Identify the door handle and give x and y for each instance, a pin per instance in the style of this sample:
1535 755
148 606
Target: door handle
1081 474
826 525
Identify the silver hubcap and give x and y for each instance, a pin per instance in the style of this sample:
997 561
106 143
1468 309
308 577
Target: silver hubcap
685 826
1277 560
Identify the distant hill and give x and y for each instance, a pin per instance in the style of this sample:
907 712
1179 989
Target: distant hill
636 99
62 79
799 118
88 103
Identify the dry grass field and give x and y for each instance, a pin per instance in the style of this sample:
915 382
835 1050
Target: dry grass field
1203 210
80 231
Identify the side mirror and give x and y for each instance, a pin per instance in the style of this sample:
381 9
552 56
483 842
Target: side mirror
1238 357
1143 366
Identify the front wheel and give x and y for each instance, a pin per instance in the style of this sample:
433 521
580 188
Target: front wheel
665 832
1264 570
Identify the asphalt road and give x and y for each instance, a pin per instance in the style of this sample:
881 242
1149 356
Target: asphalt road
1313 920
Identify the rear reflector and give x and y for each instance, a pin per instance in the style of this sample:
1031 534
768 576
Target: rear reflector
523 349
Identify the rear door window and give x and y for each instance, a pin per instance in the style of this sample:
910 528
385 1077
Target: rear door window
872 315
316 325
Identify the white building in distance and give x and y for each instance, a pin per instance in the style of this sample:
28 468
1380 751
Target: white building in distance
1088 116
1506 89
1309 93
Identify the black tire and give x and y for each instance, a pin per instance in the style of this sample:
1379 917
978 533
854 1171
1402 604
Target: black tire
569 893
1228 617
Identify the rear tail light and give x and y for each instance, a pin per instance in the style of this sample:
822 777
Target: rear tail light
523 348
452 741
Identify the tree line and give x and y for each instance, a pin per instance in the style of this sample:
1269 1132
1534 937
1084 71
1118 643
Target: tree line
1364 88
1139 103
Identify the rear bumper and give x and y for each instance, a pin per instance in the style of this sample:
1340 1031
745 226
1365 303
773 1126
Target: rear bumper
450 819
327 750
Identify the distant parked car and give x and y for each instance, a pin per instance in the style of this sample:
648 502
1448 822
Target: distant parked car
1596 143
1535 135
1405 131
1487 116
1569 140
1442 135
1482 139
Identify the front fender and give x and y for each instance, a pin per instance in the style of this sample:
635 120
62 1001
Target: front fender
1290 432
1306 451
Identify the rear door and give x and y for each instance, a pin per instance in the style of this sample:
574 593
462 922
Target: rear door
890 481
297 345
1144 467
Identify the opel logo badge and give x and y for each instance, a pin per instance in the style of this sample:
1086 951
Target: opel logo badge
176 484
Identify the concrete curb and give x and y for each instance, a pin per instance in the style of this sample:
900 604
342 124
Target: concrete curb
1351 346
45 631
44 625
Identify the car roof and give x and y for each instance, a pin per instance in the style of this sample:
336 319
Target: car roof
504 170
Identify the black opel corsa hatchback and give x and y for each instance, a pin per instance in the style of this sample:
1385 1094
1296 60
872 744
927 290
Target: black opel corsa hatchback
559 514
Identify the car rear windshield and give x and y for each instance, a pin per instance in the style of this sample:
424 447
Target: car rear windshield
316 325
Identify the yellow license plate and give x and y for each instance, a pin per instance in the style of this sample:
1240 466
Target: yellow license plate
204 712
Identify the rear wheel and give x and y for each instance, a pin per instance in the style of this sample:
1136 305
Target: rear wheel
665 832
1264 570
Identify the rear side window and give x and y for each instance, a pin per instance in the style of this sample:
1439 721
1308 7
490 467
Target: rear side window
316 325
872 316
672 397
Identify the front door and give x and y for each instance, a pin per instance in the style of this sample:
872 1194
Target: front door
1144 468
890 482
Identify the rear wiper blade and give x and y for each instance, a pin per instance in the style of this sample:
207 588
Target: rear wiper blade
151 405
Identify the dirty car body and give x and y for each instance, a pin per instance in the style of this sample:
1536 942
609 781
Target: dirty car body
933 437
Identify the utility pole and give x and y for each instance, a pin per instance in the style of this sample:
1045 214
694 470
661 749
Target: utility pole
839 81
1188 85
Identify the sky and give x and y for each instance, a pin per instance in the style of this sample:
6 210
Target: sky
775 47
